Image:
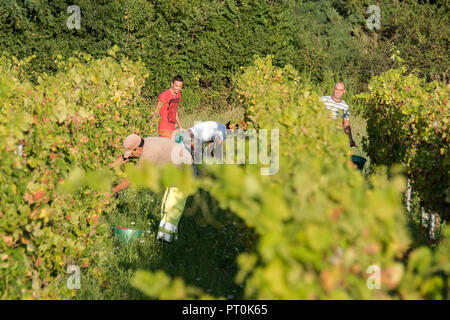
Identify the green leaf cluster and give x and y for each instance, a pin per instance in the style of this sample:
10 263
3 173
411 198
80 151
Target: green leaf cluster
206 42
408 122
56 139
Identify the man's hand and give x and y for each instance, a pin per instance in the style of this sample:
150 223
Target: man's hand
178 122
348 131
123 185
119 161
110 195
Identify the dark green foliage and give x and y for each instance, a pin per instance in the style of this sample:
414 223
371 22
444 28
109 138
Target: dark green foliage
419 29
206 41
39 28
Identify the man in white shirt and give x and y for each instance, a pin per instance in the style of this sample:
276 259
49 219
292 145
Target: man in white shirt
210 132
338 107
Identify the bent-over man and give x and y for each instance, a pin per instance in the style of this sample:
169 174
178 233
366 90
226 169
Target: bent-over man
209 132
159 151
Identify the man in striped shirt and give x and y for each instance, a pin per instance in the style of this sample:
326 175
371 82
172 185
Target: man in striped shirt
339 108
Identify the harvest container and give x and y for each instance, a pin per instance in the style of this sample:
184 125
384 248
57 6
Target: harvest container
126 235
359 161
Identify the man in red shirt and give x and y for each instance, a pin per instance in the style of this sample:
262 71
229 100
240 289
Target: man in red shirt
167 105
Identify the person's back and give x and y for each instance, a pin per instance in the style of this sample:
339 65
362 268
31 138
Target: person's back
160 151
209 130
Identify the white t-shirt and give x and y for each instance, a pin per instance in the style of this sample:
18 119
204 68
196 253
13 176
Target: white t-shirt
209 130
337 108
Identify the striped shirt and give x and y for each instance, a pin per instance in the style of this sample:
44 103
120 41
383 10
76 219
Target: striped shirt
338 109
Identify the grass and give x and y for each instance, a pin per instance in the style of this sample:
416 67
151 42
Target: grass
204 255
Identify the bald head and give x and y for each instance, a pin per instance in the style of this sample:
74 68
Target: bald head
339 84
338 91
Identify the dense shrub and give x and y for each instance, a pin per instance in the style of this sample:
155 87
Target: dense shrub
75 119
206 42
408 122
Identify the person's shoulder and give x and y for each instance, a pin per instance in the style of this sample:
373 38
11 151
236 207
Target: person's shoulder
147 142
344 103
148 139
212 124
205 124
196 126
325 98
158 140
164 94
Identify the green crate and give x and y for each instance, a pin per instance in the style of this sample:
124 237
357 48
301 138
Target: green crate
123 234
359 161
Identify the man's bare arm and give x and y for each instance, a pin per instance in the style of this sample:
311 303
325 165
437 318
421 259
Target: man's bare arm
158 106
123 185
348 131
119 161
